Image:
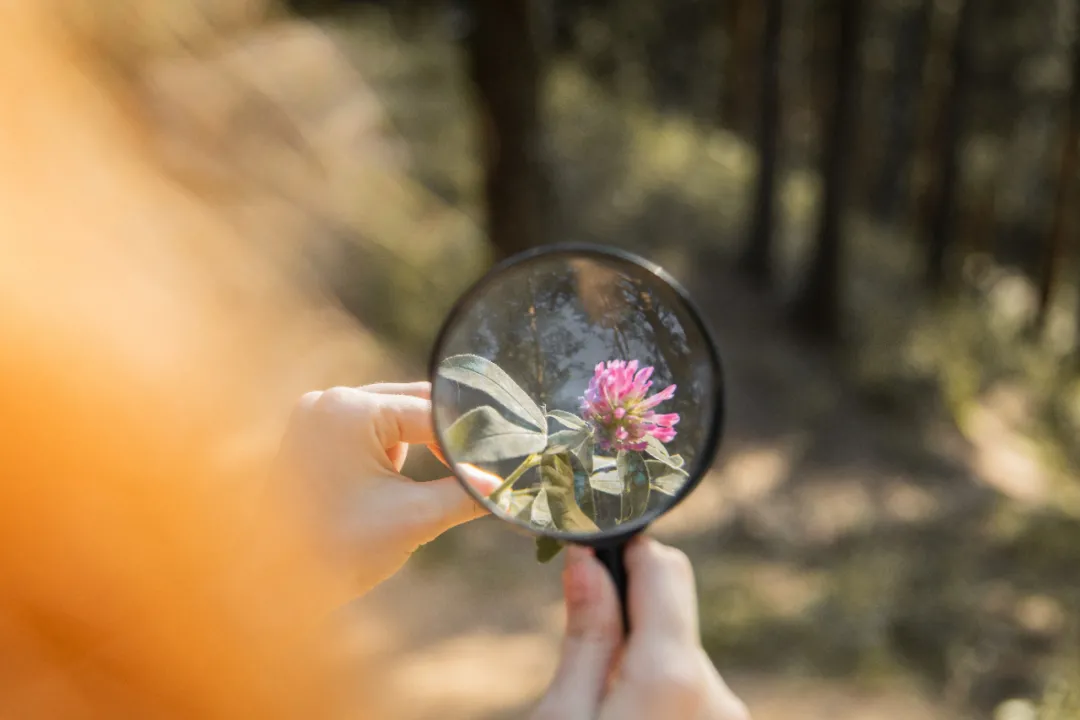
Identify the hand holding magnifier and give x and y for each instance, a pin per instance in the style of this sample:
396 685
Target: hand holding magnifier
584 378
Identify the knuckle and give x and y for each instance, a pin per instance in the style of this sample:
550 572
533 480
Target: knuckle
681 680
679 563
337 397
674 677
308 400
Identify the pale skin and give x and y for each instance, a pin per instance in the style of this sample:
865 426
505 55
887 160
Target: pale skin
344 451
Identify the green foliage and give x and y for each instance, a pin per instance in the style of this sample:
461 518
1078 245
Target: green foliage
564 483
482 435
487 377
547 548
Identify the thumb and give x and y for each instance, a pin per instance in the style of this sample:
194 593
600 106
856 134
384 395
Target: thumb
437 506
593 636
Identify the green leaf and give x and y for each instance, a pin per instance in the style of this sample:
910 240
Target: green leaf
482 435
517 504
569 420
579 442
605 476
487 377
603 462
583 491
541 512
558 478
565 440
635 477
566 513
665 478
656 449
547 548
584 453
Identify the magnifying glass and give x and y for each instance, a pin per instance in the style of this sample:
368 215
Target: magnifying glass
585 379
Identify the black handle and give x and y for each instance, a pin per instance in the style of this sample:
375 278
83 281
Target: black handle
612 558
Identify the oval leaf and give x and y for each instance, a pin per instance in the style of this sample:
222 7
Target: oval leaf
635 477
565 513
584 453
482 435
583 492
603 462
665 478
569 420
516 504
605 476
487 377
565 440
547 548
558 478
541 513
656 450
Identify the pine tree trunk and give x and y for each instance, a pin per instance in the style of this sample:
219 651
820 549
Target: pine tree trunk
1063 207
943 197
756 260
505 68
817 306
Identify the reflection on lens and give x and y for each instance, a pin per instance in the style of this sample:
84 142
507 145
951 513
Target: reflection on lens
585 383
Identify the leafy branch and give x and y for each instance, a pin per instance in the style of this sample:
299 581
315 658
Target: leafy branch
570 485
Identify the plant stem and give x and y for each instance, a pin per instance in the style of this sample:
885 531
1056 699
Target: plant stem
529 462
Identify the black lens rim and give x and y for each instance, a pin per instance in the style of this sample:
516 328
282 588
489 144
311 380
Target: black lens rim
703 460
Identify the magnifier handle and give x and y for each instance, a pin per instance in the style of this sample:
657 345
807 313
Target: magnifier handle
613 559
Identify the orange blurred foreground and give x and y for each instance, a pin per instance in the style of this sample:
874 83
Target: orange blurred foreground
148 360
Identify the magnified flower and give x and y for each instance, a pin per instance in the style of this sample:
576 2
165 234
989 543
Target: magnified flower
621 415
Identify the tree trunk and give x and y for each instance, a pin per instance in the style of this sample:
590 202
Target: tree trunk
757 256
1054 250
944 185
743 24
505 68
893 186
816 311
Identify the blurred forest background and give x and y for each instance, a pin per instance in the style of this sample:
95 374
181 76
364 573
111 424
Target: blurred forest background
875 204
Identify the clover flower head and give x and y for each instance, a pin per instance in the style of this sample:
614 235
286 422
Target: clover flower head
616 406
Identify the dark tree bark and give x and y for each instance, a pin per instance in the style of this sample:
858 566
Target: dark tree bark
1054 249
743 21
817 306
893 186
756 260
505 68
942 199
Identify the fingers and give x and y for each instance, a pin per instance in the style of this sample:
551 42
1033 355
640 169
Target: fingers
431 508
661 594
422 390
593 635
664 671
415 389
394 418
